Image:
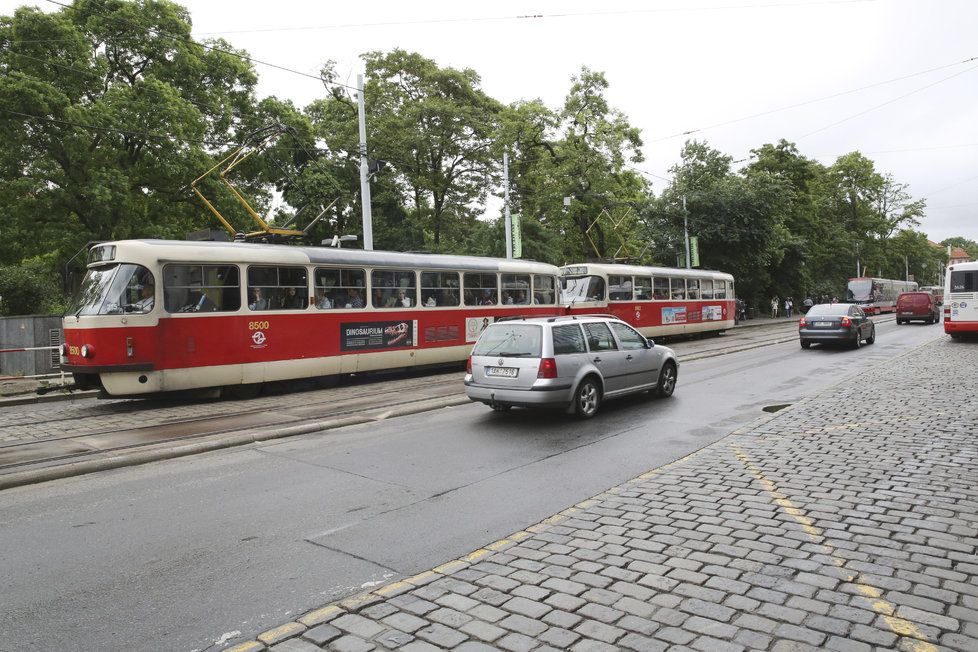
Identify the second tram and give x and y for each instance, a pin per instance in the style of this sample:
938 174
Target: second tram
657 301
877 295
155 316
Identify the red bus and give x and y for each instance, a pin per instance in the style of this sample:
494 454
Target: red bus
656 300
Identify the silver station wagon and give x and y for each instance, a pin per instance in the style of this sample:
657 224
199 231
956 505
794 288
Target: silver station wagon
570 362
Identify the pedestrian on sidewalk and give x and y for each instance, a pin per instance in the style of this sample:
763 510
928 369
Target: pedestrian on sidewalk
787 307
774 308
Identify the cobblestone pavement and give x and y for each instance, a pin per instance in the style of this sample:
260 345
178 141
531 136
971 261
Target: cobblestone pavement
846 522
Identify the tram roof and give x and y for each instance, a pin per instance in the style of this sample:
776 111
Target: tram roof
641 270
246 252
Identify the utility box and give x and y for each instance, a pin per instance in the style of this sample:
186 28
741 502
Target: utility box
26 332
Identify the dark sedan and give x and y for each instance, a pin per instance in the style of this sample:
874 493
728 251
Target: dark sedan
844 323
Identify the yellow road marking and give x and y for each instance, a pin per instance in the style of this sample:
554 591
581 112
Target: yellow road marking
882 607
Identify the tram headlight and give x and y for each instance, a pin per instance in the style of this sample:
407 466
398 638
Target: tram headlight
88 351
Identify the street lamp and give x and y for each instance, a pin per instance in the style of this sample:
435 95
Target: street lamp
338 240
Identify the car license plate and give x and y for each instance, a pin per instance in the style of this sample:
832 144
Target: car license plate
505 372
823 323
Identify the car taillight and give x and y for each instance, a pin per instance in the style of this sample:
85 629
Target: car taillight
468 365
846 322
802 323
548 368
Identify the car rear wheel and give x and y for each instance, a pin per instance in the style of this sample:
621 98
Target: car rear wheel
805 344
667 381
857 341
872 336
587 399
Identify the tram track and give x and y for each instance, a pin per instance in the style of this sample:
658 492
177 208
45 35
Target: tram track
270 417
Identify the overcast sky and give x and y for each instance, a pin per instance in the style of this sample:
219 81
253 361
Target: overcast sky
675 66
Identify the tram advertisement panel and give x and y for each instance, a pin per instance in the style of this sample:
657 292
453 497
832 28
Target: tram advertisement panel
475 325
378 335
712 313
676 315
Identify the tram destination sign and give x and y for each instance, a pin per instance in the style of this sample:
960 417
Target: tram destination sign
378 335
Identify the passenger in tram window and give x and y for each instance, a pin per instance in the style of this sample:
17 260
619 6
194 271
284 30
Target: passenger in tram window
430 302
378 298
354 300
147 293
292 300
488 298
258 301
403 300
322 301
205 303
507 298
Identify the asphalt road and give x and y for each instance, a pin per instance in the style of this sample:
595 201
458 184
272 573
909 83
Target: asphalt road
218 547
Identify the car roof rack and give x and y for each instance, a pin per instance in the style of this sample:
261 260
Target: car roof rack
552 319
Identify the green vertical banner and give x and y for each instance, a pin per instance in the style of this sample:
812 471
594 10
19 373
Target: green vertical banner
694 251
517 237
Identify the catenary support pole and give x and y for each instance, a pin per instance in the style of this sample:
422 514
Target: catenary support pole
506 216
368 229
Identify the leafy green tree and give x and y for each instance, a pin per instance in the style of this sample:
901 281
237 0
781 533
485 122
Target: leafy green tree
109 111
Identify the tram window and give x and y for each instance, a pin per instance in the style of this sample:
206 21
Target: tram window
277 288
438 289
693 289
643 288
397 288
480 289
660 288
706 289
543 289
201 288
340 288
620 288
678 288
730 290
516 289
719 290
113 290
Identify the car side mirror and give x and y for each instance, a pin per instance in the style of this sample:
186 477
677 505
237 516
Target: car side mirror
649 343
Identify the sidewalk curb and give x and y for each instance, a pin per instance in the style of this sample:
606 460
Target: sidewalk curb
167 450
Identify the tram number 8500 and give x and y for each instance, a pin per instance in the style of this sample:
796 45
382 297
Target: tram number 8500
257 325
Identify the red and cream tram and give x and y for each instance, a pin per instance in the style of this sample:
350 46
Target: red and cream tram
656 300
156 316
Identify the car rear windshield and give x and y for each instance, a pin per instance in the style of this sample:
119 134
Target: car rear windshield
914 299
510 341
828 309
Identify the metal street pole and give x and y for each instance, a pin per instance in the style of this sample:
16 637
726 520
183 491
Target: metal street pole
506 216
368 229
686 233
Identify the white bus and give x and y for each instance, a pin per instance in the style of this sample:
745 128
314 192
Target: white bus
961 300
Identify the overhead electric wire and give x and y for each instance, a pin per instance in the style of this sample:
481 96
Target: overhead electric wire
524 17
812 101
243 57
890 101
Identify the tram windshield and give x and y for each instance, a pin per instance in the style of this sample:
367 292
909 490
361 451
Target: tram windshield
114 290
574 289
860 290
